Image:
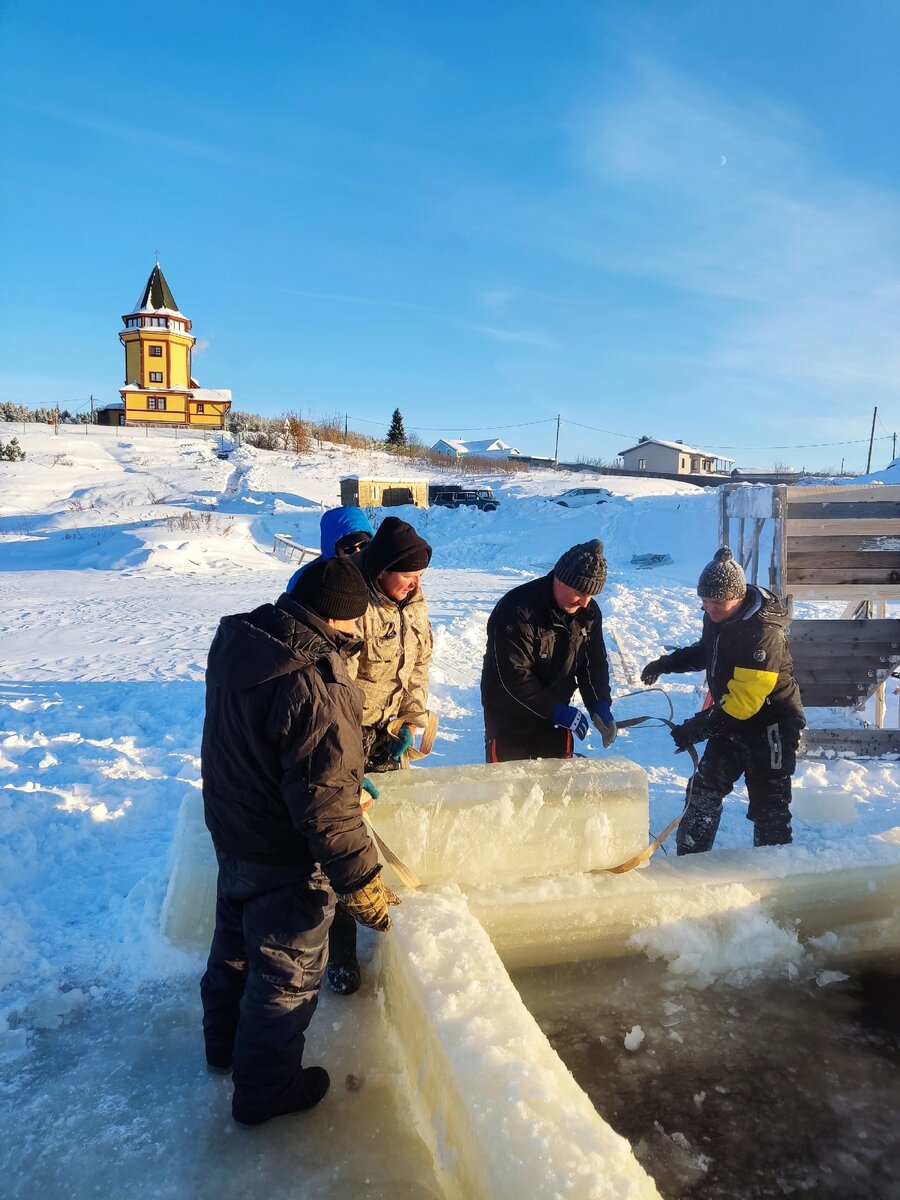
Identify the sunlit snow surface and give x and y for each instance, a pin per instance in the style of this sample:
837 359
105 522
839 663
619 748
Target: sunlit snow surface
118 554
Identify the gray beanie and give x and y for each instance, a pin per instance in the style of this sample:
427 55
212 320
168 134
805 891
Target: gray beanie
722 579
583 568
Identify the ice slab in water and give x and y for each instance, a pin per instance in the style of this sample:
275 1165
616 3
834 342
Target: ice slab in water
501 1113
744 895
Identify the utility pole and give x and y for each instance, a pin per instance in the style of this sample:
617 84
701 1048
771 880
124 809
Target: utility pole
894 451
345 429
556 451
92 408
871 440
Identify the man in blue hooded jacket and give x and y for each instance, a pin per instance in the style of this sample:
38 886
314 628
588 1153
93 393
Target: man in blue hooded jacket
342 531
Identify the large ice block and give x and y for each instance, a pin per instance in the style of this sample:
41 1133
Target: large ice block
498 821
465 825
848 884
502 1115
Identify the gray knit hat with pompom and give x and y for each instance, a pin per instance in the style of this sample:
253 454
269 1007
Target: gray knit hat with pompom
583 568
722 579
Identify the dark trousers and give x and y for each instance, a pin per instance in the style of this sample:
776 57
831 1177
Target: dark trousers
262 978
548 742
767 758
379 746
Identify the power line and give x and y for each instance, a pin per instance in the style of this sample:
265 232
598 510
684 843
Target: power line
461 428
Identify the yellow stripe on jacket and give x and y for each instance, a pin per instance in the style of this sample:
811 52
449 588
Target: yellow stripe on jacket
747 691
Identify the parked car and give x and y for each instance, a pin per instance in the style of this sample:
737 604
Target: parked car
482 498
579 497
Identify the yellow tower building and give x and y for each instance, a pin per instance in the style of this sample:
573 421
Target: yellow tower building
159 388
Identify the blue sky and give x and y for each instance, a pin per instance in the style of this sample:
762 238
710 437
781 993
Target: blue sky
675 219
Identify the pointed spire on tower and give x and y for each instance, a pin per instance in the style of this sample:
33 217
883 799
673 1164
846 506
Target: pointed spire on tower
156 293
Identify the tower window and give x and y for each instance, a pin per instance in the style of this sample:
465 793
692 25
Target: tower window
156 376
156 403
156 351
200 408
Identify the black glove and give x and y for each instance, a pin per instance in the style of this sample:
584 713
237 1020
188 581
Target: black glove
653 670
694 729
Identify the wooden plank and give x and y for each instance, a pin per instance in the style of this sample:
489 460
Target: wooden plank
858 527
833 510
883 576
885 560
821 696
845 592
852 491
842 545
862 664
860 741
833 631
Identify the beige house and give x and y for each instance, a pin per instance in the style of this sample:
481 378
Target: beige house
673 458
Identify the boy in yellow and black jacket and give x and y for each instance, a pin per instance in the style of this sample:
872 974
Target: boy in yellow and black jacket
752 728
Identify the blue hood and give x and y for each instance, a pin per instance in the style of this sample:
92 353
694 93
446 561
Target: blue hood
335 524
338 522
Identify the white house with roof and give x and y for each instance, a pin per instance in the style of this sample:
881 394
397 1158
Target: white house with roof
486 448
673 458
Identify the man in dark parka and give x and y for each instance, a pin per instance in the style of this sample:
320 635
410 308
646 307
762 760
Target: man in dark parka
282 772
544 640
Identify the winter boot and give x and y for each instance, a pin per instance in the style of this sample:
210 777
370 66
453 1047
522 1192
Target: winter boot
343 965
775 832
699 825
309 1088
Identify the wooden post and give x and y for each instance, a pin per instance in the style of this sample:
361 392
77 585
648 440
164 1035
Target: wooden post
778 569
723 514
880 702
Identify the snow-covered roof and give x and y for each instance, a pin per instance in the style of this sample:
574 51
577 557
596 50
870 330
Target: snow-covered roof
453 443
677 446
212 395
487 444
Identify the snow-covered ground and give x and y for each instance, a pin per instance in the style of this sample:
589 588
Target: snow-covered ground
119 552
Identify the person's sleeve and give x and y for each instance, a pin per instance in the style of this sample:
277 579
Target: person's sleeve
593 672
511 646
688 658
414 703
752 678
321 784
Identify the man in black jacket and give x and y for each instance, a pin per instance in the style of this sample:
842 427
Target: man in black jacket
752 727
282 772
544 639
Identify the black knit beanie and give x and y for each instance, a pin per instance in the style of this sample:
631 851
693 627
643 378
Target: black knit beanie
583 568
332 587
396 547
722 579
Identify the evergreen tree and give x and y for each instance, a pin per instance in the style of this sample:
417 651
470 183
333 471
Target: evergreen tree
396 434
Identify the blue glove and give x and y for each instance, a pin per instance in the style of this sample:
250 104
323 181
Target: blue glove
568 717
601 715
405 740
369 786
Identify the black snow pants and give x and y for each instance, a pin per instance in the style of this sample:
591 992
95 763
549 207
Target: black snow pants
263 973
767 757
342 939
548 742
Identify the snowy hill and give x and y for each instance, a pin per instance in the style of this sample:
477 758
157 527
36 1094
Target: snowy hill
119 552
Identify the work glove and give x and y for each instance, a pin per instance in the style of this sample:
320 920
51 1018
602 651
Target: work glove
653 670
601 715
566 716
694 729
404 740
370 904
369 786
